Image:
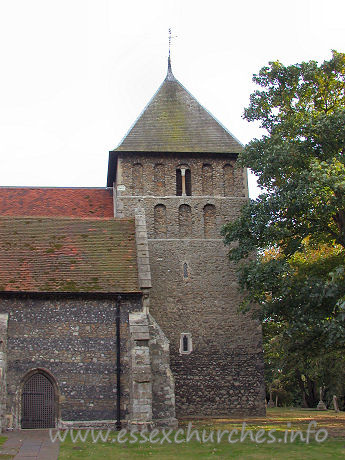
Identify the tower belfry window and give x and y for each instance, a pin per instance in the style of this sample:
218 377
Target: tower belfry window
188 182
178 182
183 182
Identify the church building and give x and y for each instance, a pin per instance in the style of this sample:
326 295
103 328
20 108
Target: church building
119 305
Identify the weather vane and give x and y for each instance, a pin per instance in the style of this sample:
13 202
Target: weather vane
170 38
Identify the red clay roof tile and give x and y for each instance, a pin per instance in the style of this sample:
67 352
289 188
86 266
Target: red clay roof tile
59 202
68 255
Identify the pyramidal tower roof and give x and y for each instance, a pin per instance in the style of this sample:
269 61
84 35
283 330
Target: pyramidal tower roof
174 121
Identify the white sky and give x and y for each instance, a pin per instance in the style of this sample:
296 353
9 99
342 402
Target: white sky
75 74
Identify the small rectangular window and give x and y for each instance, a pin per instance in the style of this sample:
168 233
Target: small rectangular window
186 346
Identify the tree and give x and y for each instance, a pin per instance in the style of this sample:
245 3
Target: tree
296 227
296 366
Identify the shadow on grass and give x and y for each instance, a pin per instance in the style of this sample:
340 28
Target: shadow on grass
276 419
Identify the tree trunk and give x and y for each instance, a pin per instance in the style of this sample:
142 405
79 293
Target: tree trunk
308 390
302 388
312 396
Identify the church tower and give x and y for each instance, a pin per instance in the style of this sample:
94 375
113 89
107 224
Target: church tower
178 163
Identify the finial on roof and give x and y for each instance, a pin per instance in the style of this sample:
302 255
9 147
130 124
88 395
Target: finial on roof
170 75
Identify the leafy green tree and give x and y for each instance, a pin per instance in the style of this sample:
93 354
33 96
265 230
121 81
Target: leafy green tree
296 227
297 365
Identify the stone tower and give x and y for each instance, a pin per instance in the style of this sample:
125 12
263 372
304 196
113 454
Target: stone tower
179 164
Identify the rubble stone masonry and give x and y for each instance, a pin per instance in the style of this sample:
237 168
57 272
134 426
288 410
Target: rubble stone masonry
194 285
74 340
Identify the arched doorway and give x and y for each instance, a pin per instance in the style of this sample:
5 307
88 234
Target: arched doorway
38 402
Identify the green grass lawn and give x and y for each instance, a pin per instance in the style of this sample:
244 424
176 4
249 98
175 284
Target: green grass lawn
277 419
2 439
4 457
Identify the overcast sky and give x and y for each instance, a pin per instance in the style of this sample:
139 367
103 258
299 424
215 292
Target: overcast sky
75 74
